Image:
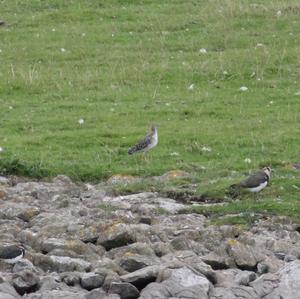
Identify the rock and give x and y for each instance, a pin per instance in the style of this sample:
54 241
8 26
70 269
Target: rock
283 284
124 289
244 278
60 263
189 258
77 246
116 235
110 278
91 280
243 255
262 268
3 180
180 243
28 213
218 261
25 282
146 220
182 283
70 278
7 291
58 294
142 277
100 294
236 292
3 194
132 262
170 205
22 265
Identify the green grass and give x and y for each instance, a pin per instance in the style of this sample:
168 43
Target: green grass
107 207
121 65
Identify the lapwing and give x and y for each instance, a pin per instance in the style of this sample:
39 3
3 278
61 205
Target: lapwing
147 143
12 253
255 182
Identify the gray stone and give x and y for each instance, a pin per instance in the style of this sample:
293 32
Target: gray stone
100 294
116 235
8 292
23 265
189 258
133 262
124 289
182 283
143 276
243 255
91 280
244 278
25 282
180 243
283 284
235 292
58 294
70 278
61 263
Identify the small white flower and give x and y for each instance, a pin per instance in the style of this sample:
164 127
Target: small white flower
174 154
62 50
53 29
83 34
112 35
130 32
112 109
259 45
81 121
205 149
1 149
271 102
225 73
10 107
0 51
191 87
258 79
247 160
203 51
167 104
243 88
279 13
297 93
253 74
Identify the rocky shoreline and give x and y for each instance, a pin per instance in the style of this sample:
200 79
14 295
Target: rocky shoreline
86 244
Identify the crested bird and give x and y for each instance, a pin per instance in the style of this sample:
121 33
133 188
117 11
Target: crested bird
146 143
255 182
12 253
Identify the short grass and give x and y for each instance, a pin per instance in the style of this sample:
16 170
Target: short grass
121 65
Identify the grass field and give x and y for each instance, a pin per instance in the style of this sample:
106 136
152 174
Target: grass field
121 65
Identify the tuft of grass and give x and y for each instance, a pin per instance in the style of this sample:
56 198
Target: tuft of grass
162 211
107 207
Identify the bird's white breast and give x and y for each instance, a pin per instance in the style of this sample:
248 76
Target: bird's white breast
154 140
260 187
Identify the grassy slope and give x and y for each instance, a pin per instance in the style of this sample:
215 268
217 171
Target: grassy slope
129 63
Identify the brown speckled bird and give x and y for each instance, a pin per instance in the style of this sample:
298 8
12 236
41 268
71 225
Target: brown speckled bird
146 143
